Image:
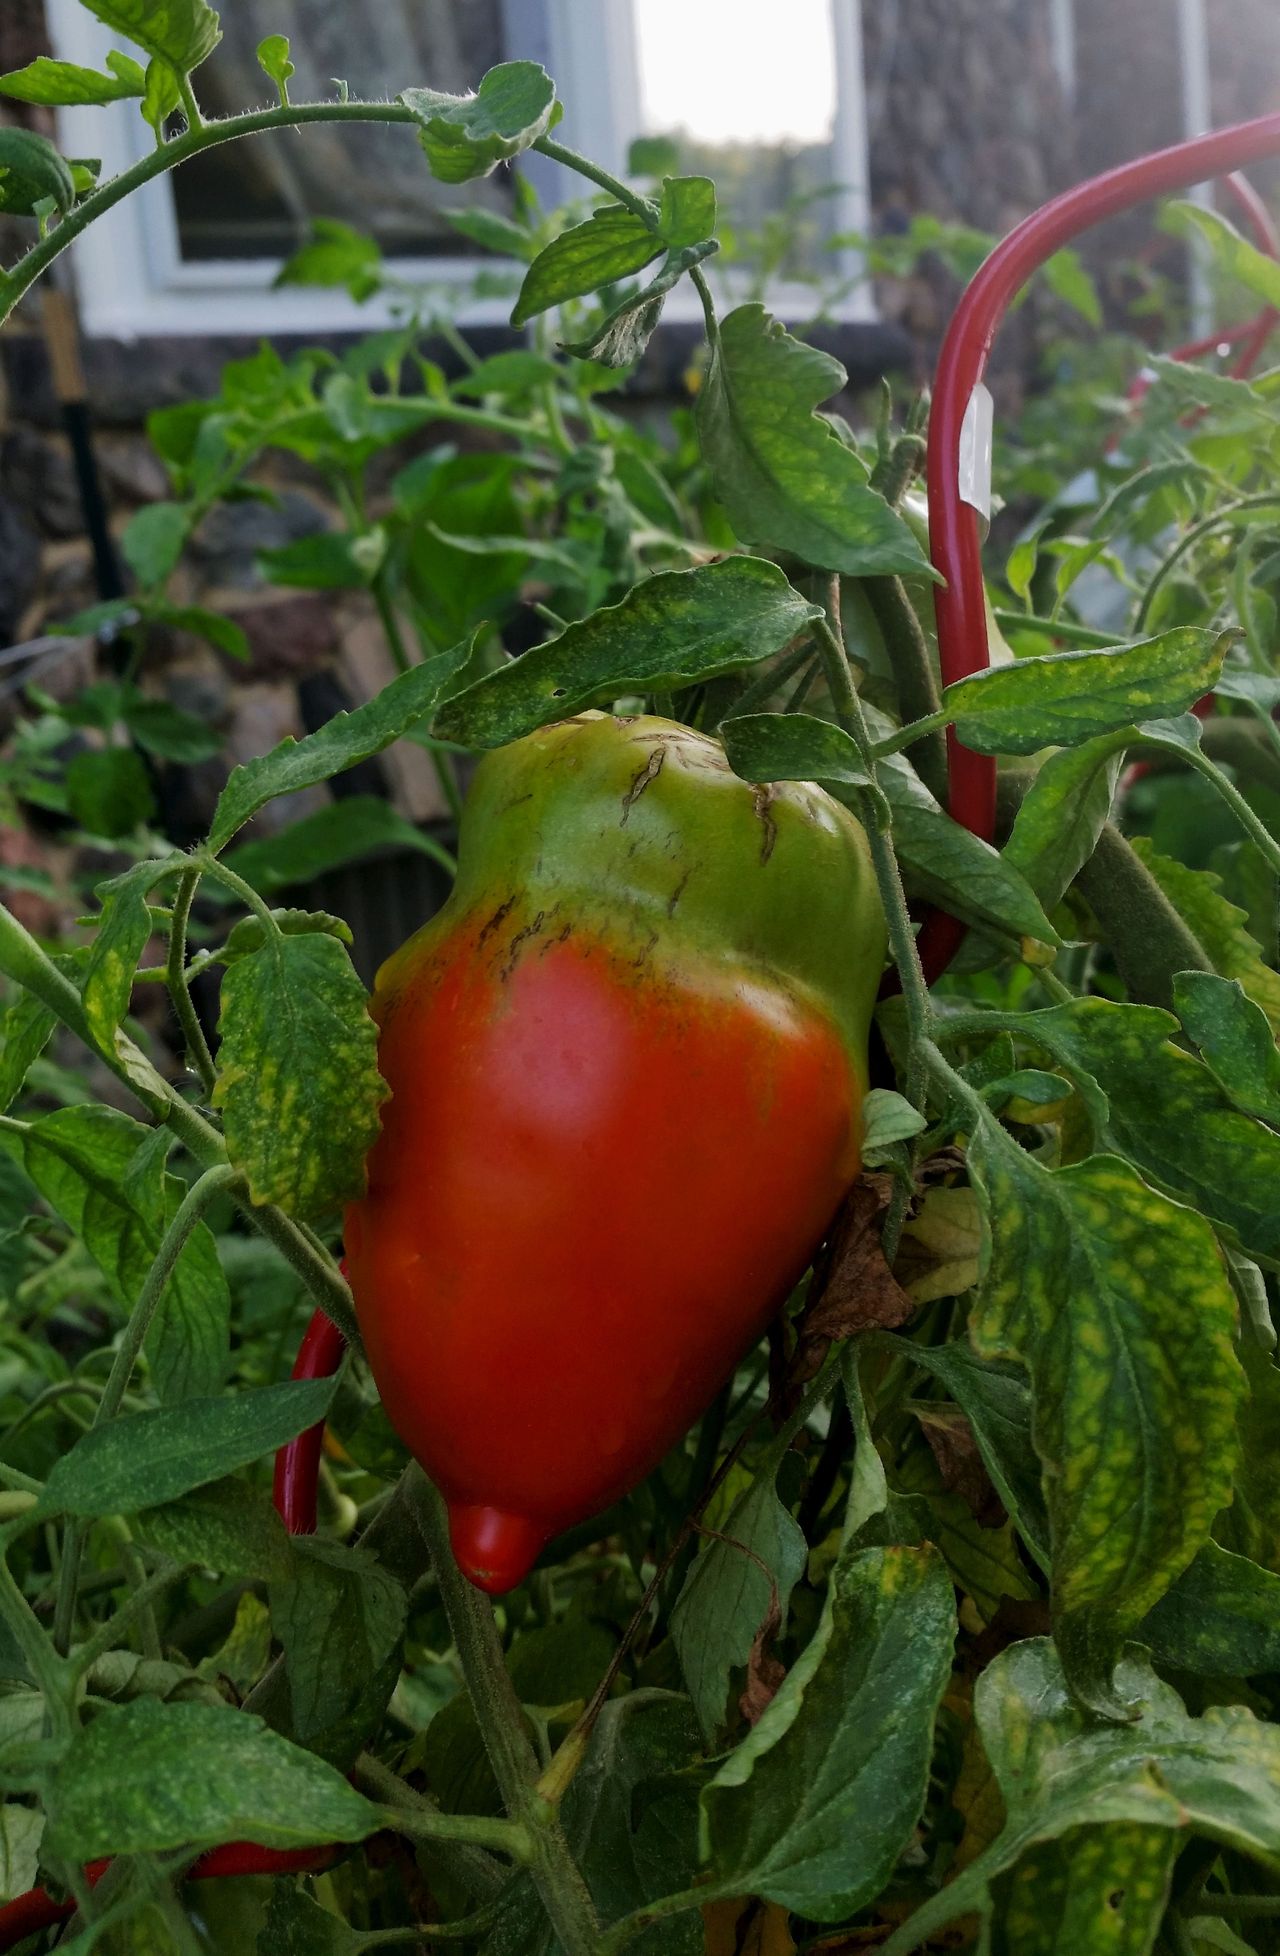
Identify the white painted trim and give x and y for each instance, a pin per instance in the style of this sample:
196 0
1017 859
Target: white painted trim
132 281
1197 117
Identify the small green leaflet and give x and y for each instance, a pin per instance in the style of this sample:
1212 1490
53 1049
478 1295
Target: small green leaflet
623 334
1220 1619
1235 1040
1060 1771
785 479
20 1831
1235 255
344 740
298 1084
108 791
31 168
793 747
124 927
343 832
687 211
339 1616
153 540
26 1027
155 1457
1220 926
467 136
273 59
1061 817
126 1785
1062 698
670 630
611 244
814 1807
62 83
1116 1301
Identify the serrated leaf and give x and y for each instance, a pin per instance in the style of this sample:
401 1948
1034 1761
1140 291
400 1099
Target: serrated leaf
611 244
1062 698
1221 1619
1116 1301
727 1593
1059 1770
687 210
339 1616
673 629
813 1808
1062 815
339 744
1164 1110
784 478
1219 926
104 1175
26 1027
182 33
1234 1038
62 83
154 1457
298 1084
467 136
125 1785
31 168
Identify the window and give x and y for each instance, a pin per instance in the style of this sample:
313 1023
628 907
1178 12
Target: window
196 252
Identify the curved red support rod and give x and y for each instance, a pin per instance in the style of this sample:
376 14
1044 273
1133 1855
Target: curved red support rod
297 1470
954 542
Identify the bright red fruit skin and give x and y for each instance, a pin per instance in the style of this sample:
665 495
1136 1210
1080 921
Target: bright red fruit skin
613 1141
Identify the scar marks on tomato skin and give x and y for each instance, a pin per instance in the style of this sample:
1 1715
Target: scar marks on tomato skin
496 921
761 802
640 781
678 892
539 926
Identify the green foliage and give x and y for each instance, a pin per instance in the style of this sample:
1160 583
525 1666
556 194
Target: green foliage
797 1676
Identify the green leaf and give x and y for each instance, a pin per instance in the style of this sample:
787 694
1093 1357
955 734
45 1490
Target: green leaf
298 1084
1062 698
1233 253
670 630
1059 1770
26 1028
1116 1301
1101 1889
730 1588
129 1784
1235 1039
170 733
623 334
494 232
30 169
108 792
150 1458
335 254
273 59
104 1175
250 934
1068 280
153 541
340 1617
124 926
61 83
1220 1619
652 156
813 1809
467 136
227 1526
786 481
612 243
339 744
1167 1113
1219 926
886 1119
181 33
20 1831
330 561
793 747
222 633
515 374
1058 823
161 96
687 212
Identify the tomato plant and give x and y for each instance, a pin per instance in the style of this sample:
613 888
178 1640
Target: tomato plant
947 1611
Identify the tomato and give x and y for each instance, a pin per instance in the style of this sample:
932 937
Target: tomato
626 1063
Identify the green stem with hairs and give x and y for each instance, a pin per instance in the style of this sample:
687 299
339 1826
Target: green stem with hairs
198 1055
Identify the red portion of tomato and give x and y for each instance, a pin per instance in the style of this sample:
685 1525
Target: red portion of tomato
597 1179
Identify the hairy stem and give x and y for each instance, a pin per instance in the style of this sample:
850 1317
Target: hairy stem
917 683
199 1057
1147 938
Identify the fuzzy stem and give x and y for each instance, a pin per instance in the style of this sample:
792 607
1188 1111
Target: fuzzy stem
1148 939
199 1057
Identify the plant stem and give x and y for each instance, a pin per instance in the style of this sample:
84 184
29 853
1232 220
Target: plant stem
46 1666
559 153
1254 827
475 1866
622 1932
515 1764
206 135
190 1210
1064 628
1148 939
1242 1905
199 1057
106 1637
918 694
1189 541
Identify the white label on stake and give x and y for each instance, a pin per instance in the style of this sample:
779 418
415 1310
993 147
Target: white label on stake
975 452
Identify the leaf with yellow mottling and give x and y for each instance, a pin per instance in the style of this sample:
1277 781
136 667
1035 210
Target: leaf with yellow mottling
1117 1302
1220 925
1100 1889
1061 1771
298 1082
941 1246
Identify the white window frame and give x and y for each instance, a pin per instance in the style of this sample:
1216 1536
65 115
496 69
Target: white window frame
133 282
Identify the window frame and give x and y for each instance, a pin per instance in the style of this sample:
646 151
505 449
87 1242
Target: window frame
132 282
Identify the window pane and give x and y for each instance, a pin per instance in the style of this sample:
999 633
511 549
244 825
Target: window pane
254 199
748 91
